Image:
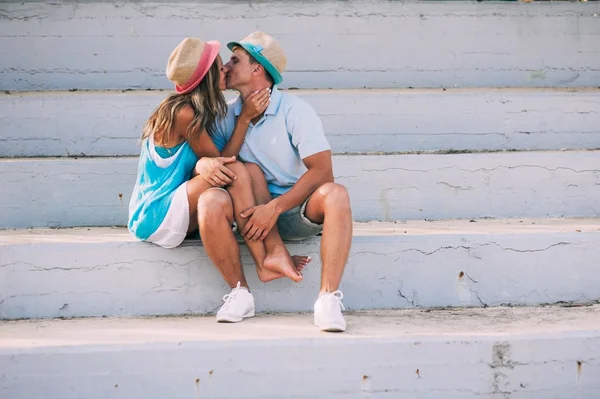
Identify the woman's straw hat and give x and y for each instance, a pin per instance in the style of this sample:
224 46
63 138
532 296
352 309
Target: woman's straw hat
190 62
265 49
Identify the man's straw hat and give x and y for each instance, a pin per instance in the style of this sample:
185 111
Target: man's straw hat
266 51
190 62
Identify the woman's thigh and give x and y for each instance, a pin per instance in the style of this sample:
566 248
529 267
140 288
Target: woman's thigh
195 187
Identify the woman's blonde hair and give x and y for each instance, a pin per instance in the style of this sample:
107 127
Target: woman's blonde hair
206 100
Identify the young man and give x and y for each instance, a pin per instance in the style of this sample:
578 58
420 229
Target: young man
289 146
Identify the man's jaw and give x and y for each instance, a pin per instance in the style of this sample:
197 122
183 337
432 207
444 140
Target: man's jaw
243 89
233 86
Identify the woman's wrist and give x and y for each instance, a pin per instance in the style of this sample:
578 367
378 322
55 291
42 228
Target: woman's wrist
244 120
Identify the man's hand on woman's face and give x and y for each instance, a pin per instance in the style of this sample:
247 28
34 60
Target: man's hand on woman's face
262 220
256 103
214 171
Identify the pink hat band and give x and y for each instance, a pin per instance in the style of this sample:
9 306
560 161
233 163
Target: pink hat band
209 54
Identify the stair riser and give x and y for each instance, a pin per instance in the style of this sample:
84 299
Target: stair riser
109 123
122 277
438 45
454 367
96 192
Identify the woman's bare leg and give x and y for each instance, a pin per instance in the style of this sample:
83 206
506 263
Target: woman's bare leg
213 210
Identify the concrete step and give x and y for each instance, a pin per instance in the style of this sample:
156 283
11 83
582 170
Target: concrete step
533 353
105 272
329 44
67 192
356 121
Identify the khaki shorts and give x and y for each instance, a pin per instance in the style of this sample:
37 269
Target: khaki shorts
293 225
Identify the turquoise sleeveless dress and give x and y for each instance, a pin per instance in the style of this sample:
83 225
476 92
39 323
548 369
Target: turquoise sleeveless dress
159 175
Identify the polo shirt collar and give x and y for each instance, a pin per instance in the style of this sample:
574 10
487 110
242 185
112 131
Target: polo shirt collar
275 101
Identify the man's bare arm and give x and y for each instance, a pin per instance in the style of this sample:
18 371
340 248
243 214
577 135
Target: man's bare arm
320 171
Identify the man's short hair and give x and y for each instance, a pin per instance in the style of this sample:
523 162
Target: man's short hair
254 61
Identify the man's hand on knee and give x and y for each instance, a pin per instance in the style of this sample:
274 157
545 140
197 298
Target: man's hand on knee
262 220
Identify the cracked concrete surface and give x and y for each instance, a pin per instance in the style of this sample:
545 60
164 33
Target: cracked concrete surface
457 353
449 353
109 122
447 35
95 191
394 265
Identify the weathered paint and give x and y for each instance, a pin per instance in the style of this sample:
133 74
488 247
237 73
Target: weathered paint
329 44
105 272
95 191
109 123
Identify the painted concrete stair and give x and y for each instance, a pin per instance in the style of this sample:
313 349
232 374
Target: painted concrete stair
108 123
102 45
105 272
64 192
428 354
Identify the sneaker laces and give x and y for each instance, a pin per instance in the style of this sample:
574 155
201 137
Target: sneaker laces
230 297
338 295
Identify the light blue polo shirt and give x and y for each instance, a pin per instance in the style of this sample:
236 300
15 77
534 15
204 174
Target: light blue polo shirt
289 131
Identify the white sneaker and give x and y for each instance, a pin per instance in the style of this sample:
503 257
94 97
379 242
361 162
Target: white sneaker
328 312
239 304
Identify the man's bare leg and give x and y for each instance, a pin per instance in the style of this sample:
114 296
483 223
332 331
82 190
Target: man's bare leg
330 205
277 256
262 252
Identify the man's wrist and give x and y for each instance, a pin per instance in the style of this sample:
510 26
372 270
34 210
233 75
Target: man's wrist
276 204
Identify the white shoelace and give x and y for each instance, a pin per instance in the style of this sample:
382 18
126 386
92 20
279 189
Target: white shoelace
230 297
337 295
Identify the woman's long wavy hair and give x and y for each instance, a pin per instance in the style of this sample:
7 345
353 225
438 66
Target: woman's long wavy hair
206 100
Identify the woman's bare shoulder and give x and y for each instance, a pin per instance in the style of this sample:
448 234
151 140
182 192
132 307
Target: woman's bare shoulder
183 119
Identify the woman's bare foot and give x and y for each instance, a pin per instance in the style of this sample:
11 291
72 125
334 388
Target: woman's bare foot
277 264
299 262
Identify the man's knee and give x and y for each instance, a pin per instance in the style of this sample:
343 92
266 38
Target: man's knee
214 205
335 196
240 171
253 169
